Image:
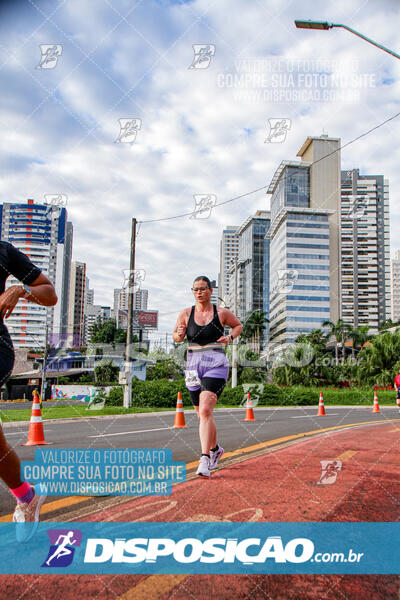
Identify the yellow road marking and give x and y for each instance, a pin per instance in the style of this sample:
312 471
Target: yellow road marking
56 504
346 455
153 587
288 438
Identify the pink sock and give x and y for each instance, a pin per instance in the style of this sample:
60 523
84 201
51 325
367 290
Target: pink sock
23 493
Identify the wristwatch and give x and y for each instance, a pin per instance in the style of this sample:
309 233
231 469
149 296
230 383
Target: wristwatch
28 290
231 336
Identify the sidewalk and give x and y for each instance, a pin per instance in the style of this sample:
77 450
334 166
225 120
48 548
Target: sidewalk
281 485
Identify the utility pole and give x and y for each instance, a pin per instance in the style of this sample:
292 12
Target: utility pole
128 349
235 341
42 387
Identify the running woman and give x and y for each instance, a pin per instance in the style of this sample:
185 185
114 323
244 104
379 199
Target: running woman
397 388
38 289
207 367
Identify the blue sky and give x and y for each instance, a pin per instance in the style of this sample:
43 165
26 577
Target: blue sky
198 135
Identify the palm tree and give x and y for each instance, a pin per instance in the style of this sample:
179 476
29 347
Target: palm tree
386 325
254 327
317 338
359 336
338 331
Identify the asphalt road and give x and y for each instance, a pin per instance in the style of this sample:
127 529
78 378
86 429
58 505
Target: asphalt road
156 431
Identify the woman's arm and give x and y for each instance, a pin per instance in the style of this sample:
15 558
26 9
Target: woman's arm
42 292
178 335
228 318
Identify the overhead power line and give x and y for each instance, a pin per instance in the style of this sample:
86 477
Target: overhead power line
186 214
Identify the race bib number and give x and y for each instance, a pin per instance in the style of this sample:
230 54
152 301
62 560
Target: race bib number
192 379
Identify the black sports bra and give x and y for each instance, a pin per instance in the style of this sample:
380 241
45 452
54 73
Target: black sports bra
204 334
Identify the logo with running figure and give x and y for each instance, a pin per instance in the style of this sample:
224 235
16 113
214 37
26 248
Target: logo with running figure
133 279
330 470
50 55
203 54
255 390
357 207
61 551
285 280
128 129
203 205
278 130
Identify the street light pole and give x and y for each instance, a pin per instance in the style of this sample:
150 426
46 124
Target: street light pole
128 348
325 25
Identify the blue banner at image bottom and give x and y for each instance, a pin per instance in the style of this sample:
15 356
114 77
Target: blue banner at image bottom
202 548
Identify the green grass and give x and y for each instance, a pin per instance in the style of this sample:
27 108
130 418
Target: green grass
67 412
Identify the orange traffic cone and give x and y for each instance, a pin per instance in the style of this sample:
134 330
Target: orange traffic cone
179 415
36 433
376 404
321 407
249 409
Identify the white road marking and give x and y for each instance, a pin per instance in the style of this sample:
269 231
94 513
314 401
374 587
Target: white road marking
308 416
128 432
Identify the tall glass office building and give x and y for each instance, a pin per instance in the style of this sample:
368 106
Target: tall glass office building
304 238
252 267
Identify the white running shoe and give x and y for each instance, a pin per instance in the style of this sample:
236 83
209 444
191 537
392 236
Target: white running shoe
26 517
214 457
204 467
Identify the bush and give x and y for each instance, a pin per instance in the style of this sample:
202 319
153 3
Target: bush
159 393
115 396
164 369
163 394
249 375
106 372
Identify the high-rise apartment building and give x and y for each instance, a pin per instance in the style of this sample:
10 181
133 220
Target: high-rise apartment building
93 313
365 249
140 299
304 236
42 232
395 283
229 247
76 312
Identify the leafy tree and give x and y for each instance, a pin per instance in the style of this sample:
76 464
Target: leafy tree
106 332
380 359
103 331
105 373
120 336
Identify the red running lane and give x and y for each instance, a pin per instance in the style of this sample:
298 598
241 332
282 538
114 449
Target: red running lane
278 486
